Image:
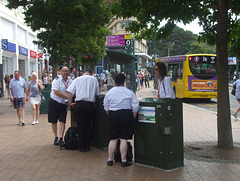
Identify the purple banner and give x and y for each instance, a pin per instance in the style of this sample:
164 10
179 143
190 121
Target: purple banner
173 59
116 40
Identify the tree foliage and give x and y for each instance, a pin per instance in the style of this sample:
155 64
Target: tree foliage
178 43
68 28
218 22
201 47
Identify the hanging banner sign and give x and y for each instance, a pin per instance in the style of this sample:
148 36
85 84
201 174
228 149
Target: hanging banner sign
119 40
232 60
33 54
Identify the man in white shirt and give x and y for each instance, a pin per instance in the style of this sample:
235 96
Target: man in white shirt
85 88
57 107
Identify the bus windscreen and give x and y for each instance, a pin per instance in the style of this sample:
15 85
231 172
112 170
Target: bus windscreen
203 67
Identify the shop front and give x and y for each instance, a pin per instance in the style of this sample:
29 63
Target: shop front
23 62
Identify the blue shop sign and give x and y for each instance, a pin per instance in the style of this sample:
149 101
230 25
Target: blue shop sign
23 51
8 46
4 44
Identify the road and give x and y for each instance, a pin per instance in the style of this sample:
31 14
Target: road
212 104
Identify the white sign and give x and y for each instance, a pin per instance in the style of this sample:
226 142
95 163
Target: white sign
146 114
232 60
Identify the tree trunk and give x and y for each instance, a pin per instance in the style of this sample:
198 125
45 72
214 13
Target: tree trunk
224 126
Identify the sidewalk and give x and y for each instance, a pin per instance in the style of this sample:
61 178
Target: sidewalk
27 152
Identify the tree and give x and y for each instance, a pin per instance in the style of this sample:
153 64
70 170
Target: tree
216 17
65 27
178 43
200 47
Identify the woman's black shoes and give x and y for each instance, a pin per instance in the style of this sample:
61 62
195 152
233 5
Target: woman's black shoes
109 163
123 164
126 164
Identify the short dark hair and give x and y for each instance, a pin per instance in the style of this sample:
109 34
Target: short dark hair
162 69
120 78
88 70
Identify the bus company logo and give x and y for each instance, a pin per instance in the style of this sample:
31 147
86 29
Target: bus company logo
196 59
212 61
205 59
209 83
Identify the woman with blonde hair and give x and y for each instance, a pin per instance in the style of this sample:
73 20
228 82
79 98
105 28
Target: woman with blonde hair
34 92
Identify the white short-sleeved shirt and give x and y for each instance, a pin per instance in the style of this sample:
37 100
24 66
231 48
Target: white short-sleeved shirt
165 89
120 97
60 85
85 88
17 86
237 83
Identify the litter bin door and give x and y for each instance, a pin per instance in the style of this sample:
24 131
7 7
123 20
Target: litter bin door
46 92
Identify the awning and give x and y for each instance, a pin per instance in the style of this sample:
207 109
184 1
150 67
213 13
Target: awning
119 57
144 55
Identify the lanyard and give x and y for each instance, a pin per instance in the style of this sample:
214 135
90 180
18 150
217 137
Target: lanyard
159 85
66 85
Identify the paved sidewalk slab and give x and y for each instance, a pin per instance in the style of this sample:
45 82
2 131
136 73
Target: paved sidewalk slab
27 152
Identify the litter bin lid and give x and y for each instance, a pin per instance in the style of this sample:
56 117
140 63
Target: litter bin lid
157 100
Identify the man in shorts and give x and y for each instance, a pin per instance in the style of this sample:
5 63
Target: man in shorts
57 107
17 87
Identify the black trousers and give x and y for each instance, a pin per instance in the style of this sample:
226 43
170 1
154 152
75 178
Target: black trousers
84 112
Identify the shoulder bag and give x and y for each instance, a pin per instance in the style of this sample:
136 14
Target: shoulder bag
43 99
233 92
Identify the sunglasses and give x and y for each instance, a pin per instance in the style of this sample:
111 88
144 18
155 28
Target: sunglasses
155 69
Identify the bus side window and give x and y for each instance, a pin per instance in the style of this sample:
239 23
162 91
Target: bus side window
174 73
180 71
169 71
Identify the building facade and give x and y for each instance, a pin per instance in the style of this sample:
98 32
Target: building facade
117 27
17 50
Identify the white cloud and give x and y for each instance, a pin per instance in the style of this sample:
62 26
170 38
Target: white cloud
193 27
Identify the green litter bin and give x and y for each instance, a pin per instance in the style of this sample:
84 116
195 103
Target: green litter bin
100 138
158 138
46 92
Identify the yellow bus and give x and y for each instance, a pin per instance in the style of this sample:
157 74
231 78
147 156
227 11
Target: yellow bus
193 75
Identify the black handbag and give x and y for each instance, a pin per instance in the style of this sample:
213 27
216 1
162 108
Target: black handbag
233 92
43 99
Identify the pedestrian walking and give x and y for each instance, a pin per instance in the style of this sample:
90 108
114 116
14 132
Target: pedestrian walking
121 106
57 107
34 92
146 78
236 84
17 88
85 88
102 79
140 76
165 89
110 81
45 78
6 80
8 83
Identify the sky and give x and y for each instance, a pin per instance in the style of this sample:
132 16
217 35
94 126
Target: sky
193 27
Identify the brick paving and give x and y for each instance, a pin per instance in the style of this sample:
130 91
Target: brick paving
27 152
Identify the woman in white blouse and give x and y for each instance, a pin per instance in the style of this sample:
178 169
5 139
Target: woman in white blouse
121 105
165 89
